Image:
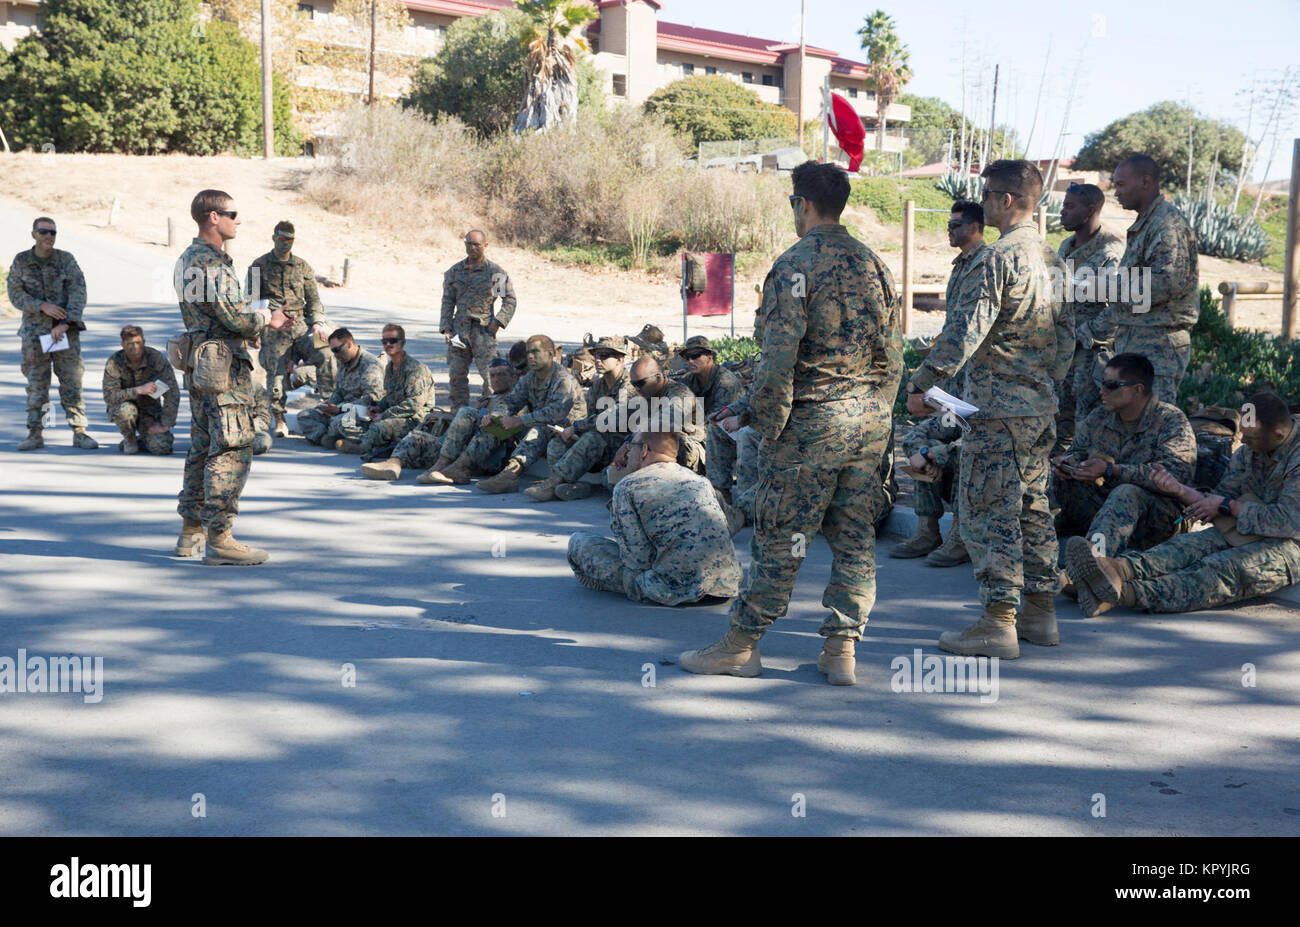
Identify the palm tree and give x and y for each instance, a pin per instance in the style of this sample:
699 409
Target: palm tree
888 68
552 93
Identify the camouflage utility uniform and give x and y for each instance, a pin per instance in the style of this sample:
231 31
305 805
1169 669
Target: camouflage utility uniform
1015 342
1093 330
671 542
57 279
422 447
360 382
291 285
554 399
408 397
942 443
134 412
1127 511
722 389
469 293
594 444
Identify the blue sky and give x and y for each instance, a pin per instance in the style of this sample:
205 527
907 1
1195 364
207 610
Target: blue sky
1135 53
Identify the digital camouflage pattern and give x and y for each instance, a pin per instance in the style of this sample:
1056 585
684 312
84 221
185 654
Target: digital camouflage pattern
289 284
671 542
1274 479
221 424
1093 329
821 400
742 496
592 446
942 443
409 396
553 399
721 389
1015 339
133 413
1161 239
1127 510
58 280
469 295
361 382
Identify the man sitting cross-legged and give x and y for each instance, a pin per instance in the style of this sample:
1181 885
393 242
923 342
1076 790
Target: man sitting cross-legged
408 397
1252 549
359 380
671 541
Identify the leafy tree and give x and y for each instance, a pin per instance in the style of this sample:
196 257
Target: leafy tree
144 77
888 67
1161 132
555 44
934 123
709 107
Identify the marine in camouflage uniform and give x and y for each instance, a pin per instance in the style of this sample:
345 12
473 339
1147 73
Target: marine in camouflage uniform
359 381
409 395
289 282
554 399
469 310
717 388
221 423
424 447
1159 328
1015 341
1127 511
596 436
132 411
58 280
1091 264
1202 569
941 443
671 541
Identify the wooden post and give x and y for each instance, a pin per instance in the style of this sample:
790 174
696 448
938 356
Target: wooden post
1041 216
373 4
1229 293
1291 279
347 270
909 240
171 232
113 211
268 126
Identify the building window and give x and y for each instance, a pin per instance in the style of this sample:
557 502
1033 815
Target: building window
767 81
308 9
853 92
747 77
620 85
710 70
688 68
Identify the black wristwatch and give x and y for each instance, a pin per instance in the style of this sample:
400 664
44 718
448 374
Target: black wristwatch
1225 507
913 388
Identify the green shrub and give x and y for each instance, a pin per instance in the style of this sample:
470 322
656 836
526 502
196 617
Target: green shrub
732 349
712 107
1228 364
886 195
1222 233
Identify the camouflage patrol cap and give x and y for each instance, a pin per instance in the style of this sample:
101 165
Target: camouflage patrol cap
610 344
650 339
697 343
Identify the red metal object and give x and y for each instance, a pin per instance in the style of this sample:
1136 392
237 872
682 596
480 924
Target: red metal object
716 298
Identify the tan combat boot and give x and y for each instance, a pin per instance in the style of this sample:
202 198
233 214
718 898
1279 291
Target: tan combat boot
837 661
1102 582
346 446
994 635
35 440
545 490
281 426
191 540
952 552
570 492
735 655
505 481
925 539
1037 620
389 469
82 439
223 549
130 445
446 472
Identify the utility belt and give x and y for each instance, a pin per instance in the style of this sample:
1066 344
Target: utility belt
208 361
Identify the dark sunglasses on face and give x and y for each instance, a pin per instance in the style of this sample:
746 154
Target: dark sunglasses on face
692 355
795 200
228 213
391 340
339 350
46 232
956 224
1111 385
644 380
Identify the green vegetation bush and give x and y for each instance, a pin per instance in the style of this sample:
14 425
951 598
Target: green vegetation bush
708 107
1228 364
142 78
1272 219
727 348
1222 233
886 195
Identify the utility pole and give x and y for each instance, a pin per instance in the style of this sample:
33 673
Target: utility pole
993 114
371 98
268 126
803 50
1291 280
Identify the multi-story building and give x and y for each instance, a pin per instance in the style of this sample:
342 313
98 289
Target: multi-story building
17 19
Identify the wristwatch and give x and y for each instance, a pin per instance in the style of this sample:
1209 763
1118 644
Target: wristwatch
1225 507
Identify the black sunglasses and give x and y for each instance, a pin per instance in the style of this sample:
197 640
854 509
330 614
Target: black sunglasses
644 380
692 355
794 199
391 340
339 349
228 213
956 224
46 232
1111 385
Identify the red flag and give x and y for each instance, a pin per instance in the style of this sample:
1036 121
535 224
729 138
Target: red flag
847 127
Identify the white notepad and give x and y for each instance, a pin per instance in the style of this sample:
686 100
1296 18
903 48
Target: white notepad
160 388
48 343
937 397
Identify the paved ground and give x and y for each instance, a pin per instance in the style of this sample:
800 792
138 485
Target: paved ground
497 684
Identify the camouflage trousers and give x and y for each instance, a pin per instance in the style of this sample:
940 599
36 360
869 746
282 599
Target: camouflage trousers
37 367
597 559
532 446
720 457
1079 393
133 420
821 474
480 348
221 452
586 452
1201 570
320 428
374 435
1006 523
747 444
280 349
929 497
261 398
1168 349
1126 517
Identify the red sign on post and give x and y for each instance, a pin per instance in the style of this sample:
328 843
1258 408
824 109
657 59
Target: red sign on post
717 296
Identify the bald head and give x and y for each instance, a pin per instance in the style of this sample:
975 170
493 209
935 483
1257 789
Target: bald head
475 246
647 373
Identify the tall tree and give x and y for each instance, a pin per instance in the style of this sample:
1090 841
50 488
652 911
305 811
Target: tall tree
551 96
888 65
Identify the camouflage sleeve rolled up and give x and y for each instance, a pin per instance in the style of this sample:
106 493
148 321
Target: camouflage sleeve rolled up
1171 444
1094 323
116 390
408 392
931 434
76 292
58 280
313 309
506 290
1163 242
171 401
634 545
784 322
1273 479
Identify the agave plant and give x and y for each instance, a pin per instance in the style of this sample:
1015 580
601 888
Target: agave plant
961 186
1222 233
